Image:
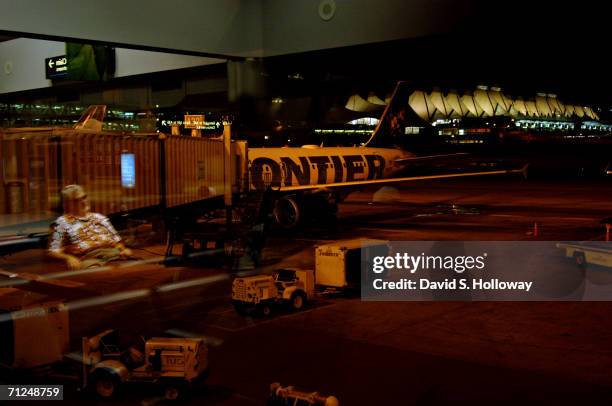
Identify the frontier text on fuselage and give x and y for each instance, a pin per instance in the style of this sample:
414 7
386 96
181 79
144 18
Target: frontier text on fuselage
319 169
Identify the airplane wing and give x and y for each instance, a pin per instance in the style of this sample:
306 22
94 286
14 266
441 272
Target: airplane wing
423 158
387 181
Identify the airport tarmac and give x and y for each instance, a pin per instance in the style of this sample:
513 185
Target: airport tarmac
369 353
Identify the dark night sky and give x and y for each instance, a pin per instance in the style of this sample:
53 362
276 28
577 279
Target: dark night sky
522 46
549 45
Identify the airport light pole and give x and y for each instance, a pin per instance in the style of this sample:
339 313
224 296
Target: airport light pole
227 171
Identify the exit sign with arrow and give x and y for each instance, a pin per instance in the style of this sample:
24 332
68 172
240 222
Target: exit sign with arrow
56 67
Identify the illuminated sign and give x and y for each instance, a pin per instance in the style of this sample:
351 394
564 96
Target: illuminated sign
194 122
207 125
128 170
56 67
341 131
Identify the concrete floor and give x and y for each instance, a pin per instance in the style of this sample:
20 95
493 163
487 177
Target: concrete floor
369 353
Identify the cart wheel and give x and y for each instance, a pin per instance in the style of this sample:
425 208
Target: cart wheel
580 259
298 301
106 385
266 310
173 392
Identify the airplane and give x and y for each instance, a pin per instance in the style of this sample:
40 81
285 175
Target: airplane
317 178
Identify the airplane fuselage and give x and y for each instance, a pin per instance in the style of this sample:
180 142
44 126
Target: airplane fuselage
281 167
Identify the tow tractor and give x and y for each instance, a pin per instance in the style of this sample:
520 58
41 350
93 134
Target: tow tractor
262 292
592 252
174 363
338 268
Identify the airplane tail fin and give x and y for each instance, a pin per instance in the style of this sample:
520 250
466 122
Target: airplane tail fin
395 114
525 171
92 119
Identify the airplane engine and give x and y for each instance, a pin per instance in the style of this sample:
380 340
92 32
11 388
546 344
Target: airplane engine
287 212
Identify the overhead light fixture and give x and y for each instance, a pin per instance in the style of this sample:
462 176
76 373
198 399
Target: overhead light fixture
327 9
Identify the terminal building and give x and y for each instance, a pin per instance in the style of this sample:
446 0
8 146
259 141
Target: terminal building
471 115
305 75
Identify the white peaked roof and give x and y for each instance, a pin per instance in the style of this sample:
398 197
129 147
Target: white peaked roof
519 106
542 106
373 99
437 99
420 103
532 110
468 102
500 106
481 98
483 103
561 107
554 106
579 111
590 113
509 102
479 111
358 103
458 109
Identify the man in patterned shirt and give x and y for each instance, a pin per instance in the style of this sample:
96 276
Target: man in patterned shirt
82 238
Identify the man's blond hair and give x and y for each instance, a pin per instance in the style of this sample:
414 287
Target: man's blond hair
72 192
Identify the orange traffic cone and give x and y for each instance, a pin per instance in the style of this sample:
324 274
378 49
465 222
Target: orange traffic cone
535 229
